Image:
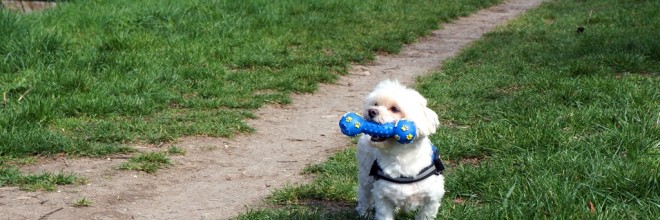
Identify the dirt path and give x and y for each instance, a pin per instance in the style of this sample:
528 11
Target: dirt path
219 178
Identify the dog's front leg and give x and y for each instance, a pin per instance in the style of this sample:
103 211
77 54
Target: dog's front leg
364 199
428 211
384 209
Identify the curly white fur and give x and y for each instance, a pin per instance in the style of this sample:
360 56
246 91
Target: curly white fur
391 101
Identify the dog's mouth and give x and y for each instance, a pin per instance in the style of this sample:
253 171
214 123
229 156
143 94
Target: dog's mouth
375 138
378 139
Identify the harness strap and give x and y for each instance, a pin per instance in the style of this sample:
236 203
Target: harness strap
435 168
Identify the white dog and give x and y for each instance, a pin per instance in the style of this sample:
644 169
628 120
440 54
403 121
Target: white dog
393 175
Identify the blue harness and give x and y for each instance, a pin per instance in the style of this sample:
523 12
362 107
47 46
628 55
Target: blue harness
435 168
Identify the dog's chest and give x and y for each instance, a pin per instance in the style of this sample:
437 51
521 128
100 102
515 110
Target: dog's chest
405 196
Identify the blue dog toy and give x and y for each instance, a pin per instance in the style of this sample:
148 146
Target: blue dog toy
403 131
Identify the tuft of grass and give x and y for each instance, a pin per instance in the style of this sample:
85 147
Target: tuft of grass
10 176
564 123
147 162
82 202
174 150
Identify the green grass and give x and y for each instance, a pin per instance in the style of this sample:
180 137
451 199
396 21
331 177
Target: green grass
175 150
297 212
331 195
563 125
151 162
148 162
89 78
335 181
10 176
82 202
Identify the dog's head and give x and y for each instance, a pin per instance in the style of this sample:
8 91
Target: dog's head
390 101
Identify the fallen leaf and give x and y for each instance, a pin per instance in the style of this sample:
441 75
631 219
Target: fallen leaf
592 208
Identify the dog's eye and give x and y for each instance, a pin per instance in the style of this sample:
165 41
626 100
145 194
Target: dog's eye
394 109
376 103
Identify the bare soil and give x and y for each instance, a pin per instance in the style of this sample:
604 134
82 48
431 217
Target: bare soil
219 178
27 6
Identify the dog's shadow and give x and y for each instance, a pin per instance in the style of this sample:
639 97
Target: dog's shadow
316 209
325 209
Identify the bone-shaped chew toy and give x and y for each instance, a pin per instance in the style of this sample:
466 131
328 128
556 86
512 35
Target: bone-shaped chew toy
404 131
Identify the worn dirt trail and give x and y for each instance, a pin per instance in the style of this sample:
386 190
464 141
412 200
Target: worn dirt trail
220 178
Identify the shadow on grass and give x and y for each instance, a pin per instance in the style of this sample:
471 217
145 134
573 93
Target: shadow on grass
305 209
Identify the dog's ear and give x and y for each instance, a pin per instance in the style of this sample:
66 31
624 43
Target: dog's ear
427 123
426 120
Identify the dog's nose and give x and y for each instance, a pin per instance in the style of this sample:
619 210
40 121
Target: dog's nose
373 113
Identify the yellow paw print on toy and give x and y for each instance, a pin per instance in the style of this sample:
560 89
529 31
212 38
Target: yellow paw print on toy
404 128
396 137
349 119
357 124
409 137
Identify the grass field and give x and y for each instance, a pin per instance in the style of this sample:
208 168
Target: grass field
540 121
88 78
